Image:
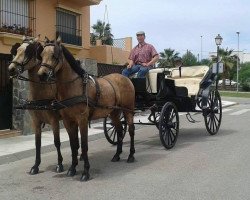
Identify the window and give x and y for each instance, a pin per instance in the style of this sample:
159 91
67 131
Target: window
68 26
17 16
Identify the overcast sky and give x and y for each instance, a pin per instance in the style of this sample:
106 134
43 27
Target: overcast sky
179 24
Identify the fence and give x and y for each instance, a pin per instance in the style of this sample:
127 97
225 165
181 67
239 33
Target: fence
119 43
18 17
105 69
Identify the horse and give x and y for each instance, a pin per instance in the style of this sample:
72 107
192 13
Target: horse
82 99
26 56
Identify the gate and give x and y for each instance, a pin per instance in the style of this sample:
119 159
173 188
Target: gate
5 93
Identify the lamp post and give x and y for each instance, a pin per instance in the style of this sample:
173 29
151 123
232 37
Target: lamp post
218 41
238 33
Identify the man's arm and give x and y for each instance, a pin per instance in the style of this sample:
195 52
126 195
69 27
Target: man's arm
152 61
130 63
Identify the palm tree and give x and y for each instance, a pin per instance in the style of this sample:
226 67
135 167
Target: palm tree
102 31
229 61
167 58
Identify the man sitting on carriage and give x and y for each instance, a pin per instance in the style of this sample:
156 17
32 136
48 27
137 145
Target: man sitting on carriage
142 57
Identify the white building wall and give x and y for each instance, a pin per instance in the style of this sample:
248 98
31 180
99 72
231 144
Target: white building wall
244 56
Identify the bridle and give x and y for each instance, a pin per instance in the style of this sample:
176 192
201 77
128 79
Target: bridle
27 59
51 73
51 68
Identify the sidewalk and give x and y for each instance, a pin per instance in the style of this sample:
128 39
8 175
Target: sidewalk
19 147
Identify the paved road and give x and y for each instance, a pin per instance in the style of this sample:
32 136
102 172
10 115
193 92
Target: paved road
198 167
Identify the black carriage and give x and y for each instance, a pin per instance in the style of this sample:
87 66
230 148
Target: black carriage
166 92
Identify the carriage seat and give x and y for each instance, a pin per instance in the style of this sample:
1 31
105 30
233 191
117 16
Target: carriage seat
152 79
191 77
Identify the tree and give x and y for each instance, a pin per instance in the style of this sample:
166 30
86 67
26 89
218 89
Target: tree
167 58
189 59
229 61
244 76
102 31
205 62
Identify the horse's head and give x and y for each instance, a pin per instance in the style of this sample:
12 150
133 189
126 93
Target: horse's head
25 55
51 59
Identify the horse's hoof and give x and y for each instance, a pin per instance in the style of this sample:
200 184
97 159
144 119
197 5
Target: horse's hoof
59 168
85 177
116 158
81 158
34 170
71 172
131 159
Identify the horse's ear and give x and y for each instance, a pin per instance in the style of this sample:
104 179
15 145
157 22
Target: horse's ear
59 40
46 40
14 48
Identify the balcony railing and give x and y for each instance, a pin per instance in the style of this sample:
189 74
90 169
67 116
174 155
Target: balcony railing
69 35
18 17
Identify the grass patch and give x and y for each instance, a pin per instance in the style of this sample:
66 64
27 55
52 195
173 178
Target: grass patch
235 94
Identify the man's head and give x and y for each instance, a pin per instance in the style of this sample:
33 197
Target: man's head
140 36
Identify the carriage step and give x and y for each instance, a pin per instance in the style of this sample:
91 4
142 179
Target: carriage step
9 133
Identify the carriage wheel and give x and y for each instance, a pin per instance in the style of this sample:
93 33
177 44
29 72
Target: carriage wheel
213 113
110 131
169 125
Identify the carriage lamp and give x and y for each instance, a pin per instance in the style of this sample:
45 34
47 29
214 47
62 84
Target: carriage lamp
218 40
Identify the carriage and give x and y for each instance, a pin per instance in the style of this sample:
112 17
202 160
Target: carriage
163 93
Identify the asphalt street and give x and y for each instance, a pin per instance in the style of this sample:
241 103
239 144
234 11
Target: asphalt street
200 166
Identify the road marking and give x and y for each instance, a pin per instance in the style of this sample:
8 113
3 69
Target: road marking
240 112
226 110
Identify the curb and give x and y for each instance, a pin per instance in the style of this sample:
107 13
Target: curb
44 149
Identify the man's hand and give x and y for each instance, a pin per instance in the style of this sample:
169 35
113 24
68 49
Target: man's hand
129 66
145 64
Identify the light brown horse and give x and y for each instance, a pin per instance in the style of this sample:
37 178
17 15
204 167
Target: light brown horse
116 95
26 57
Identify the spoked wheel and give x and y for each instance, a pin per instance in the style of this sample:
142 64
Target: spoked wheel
169 125
110 131
213 112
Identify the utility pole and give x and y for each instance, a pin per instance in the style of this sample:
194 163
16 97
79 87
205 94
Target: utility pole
238 33
201 47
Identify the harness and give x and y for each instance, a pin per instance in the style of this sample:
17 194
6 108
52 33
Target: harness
66 103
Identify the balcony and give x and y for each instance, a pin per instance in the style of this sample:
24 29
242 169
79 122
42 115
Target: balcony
75 39
87 2
16 18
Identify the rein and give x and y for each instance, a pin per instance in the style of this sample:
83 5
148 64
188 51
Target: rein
57 105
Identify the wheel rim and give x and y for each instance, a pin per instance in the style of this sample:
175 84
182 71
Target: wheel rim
110 131
169 125
213 113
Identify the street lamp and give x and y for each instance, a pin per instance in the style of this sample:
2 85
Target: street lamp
238 33
218 41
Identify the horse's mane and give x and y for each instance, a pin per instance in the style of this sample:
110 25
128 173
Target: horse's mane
72 62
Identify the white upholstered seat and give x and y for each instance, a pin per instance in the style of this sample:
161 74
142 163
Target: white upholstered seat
190 78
